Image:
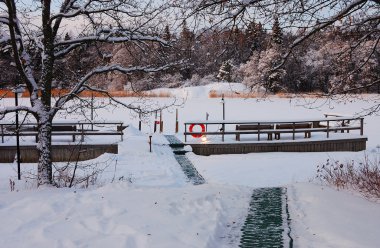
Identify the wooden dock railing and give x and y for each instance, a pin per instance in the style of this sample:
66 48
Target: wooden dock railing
80 128
278 127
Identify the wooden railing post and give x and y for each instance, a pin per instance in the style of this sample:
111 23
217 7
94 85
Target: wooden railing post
294 130
2 134
223 127
328 128
361 126
258 131
185 133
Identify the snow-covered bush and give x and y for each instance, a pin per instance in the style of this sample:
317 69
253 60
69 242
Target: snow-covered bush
81 174
171 81
363 177
195 80
207 79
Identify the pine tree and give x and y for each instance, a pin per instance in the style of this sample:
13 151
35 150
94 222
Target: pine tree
186 35
167 35
67 36
277 38
225 71
186 45
255 36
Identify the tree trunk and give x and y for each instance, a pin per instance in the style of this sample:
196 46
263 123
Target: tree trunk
45 172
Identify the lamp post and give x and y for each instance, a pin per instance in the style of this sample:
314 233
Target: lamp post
224 115
224 107
18 90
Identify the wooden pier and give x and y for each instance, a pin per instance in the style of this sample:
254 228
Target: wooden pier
60 153
318 135
331 145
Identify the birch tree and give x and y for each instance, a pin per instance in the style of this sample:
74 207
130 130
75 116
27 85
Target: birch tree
36 47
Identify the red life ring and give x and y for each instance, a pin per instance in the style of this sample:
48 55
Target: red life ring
197 135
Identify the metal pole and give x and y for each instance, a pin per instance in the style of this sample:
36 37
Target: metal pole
176 121
207 115
17 140
224 116
92 111
224 108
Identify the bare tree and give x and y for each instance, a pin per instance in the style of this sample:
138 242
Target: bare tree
37 45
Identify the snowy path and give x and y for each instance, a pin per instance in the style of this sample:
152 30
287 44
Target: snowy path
267 221
266 224
186 165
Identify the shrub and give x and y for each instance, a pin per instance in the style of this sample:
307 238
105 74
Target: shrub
363 177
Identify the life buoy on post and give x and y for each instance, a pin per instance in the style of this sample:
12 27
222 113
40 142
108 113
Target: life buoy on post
197 135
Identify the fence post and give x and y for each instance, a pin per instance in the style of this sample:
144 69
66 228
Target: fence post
155 121
2 133
139 121
185 133
207 115
361 126
161 122
258 131
150 143
294 130
328 128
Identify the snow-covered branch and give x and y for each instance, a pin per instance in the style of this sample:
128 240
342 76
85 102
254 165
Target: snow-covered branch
321 25
4 19
13 109
72 9
111 37
81 85
127 36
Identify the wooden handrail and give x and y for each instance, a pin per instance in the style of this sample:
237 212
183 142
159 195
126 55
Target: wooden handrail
81 124
314 123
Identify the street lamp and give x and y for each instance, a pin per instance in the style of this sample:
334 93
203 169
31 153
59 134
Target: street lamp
224 107
224 115
19 89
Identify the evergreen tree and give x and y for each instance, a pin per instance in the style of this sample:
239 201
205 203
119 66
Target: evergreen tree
167 35
186 46
277 38
67 36
255 36
225 71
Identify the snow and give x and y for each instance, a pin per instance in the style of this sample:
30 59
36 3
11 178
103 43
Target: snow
143 199
120 215
325 217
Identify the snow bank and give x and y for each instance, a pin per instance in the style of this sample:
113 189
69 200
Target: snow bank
119 215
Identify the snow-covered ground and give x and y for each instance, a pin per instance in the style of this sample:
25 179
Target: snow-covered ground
142 199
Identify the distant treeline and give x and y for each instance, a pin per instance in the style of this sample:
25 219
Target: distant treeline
252 55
